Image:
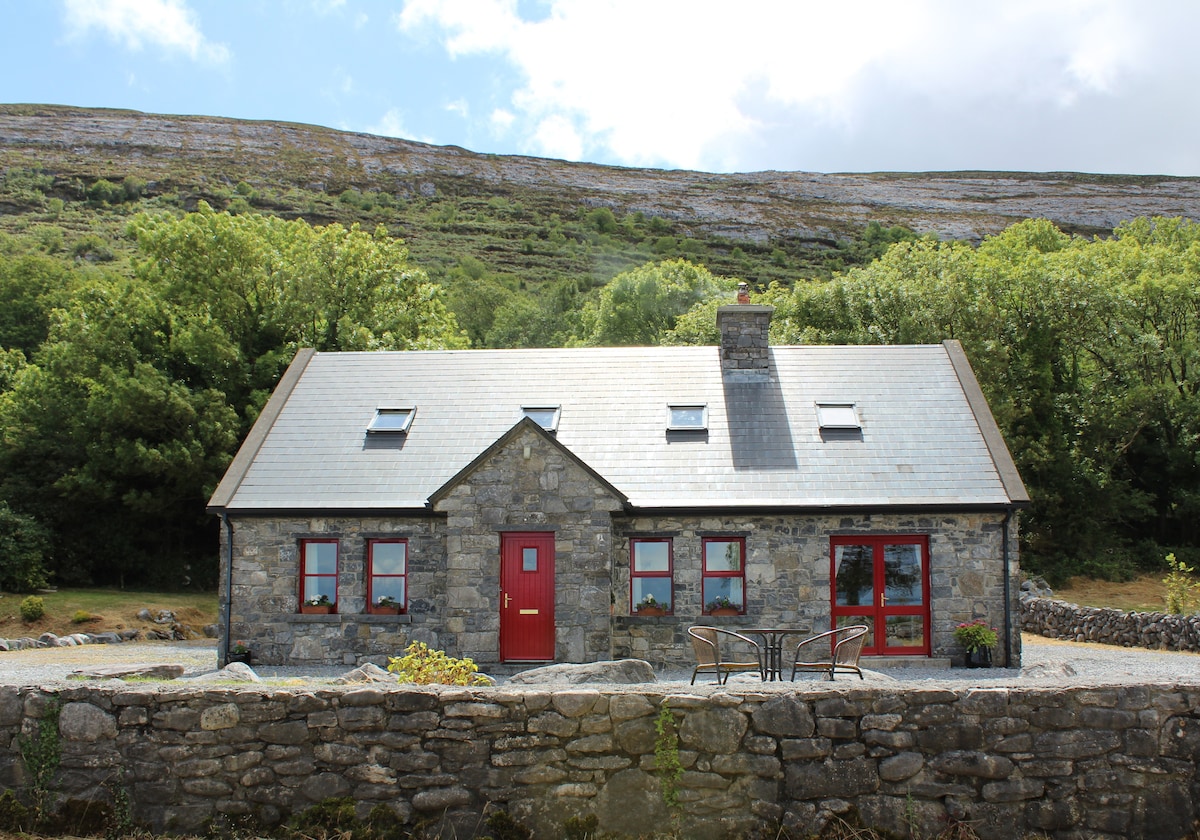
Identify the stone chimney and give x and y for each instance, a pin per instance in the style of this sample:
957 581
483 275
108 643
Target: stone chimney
744 352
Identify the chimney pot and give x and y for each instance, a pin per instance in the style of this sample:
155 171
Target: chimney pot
743 294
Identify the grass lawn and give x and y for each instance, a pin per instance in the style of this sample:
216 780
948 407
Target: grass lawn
1146 593
109 609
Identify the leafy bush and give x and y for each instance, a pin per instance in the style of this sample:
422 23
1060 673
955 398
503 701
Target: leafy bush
81 617
421 665
33 608
1181 586
23 547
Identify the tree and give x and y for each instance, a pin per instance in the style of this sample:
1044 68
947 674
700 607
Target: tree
639 307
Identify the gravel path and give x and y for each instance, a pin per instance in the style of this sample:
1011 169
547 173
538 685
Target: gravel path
1045 664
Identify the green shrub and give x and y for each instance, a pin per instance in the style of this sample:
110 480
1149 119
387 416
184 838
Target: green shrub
33 608
1181 586
421 665
501 826
81 617
23 546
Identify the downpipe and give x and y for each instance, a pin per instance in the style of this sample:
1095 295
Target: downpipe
227 605
1008 618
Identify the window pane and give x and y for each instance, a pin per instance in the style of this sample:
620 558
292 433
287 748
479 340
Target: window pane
837 416
905 631
902 579
730 588
651 557
315 587
391 587
686 417
855 575
529 560
660 588
545 417
722 556
391 420
388 558
320 558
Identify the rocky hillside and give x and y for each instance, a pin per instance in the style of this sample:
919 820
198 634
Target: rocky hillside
201 155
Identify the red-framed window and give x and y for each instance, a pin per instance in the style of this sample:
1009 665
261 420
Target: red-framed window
651 571
318 570
724 573
387 572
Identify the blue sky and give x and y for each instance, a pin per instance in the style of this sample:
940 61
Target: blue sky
871 85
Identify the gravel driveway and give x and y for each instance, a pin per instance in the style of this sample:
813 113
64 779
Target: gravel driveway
1045 664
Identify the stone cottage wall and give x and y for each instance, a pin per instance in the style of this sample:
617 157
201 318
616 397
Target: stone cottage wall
266 590
1052 762
787 576
530 484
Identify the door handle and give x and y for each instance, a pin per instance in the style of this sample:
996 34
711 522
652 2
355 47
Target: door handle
506 600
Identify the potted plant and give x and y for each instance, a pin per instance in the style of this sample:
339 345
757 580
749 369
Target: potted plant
384 605
721 605
978 640
239 652
317 605
651 606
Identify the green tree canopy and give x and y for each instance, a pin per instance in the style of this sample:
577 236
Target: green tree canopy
640 306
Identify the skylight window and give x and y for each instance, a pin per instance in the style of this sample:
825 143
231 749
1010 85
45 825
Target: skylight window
838 416
545 416
391 420
687 418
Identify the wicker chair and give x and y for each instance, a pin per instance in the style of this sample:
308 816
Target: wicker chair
832 651
706 642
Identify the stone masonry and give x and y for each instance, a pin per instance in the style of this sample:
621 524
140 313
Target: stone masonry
1054 762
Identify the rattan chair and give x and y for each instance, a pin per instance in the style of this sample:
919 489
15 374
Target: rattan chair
706 642
832 651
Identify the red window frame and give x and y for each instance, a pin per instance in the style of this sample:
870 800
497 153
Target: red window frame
706 575
306 576
635 575
876 613
372 575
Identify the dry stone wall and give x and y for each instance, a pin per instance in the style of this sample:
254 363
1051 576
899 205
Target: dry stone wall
1099 762
1056 619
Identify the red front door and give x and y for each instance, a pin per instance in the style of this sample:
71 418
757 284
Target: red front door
883 582
527 597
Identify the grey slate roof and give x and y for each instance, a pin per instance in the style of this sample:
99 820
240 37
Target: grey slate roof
927 436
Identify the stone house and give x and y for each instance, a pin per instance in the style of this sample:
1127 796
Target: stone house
583 504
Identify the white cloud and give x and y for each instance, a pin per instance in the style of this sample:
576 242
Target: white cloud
391 124
705 83
557 137
502 120
167 24
459 107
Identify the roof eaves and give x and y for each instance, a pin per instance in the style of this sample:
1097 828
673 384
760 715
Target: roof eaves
1006 468
247 452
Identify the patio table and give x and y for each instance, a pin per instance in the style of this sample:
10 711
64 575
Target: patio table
772 638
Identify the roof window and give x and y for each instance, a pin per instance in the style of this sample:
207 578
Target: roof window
391 420
682 417
545 416
833 415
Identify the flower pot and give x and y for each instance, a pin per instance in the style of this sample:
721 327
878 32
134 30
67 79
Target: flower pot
316 609
244 658
651 611
725 611
979 658
375 609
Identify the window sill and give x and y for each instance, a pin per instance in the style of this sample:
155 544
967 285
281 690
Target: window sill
340 618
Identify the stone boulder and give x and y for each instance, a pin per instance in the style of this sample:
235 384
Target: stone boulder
126 672
367 673
622 671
